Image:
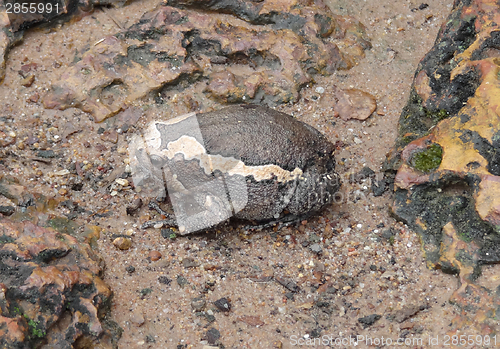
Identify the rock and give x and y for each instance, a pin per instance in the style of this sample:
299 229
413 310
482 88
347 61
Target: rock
137 318
164 280
354 104
243 62
379 187
28 81
212 335
110 136
223 304
182 281
447 186
153 256
198 304
46 154
288 284
364 173
369 320
134 206
316 248
189 262
13 26
123 243
7 210
46 269
406 312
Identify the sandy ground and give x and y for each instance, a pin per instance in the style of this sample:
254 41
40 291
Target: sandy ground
169 303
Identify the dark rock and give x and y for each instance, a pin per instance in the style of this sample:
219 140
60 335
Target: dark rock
379 187
164 280
369 320
77 186
182 281
130 269
362 174
212 336
223 304
288 284
290 295
167 233
7 210
46 154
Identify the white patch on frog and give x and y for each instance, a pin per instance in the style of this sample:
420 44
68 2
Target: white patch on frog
190 148
219 200
153 136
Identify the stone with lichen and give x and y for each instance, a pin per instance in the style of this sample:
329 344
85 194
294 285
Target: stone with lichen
51 293
447 156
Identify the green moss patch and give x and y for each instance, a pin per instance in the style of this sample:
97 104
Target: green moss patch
427 160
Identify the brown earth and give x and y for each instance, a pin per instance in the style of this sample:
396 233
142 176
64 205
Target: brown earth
352 261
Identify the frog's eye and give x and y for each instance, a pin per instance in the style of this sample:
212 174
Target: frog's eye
157 161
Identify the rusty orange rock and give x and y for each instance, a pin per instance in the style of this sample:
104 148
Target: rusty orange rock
448 155
48 277
242 59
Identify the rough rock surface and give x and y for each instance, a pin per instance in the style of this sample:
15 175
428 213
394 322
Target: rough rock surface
13 25
242 51
448 174
51 293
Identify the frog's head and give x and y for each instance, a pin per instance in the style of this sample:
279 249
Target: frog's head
315 189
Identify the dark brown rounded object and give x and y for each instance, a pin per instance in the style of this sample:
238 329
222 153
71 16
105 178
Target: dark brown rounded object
154 256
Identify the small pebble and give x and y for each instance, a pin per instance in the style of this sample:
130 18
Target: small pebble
61 172
137 318
198 304
122 243
122 182
316 248
154 256
223 304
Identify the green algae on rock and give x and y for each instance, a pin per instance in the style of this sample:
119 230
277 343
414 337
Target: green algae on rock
428 159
